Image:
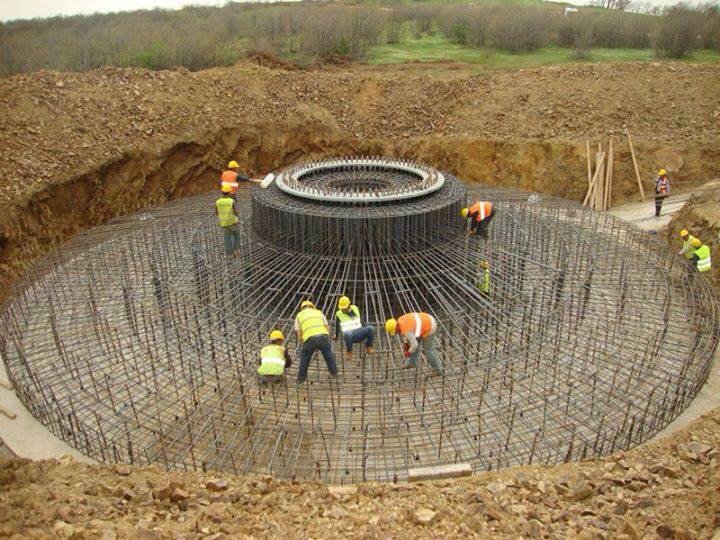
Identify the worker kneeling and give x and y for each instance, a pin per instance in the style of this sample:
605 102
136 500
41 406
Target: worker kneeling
416 329
313 332
348 322
274 359
479 216
701 256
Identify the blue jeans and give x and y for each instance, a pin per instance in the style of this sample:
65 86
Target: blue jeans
428 345
365 333
312 344
232 238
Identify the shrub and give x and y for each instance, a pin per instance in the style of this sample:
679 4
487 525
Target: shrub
678 32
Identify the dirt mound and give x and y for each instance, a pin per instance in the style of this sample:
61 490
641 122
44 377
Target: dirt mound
669 489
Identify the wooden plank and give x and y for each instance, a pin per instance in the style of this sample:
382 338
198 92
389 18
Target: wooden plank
6 384
608 176
594 181
637 171
589 165
9 414
439 472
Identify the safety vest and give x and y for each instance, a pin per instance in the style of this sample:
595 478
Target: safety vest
484 281
311 323
483 208
687 247
348 323
272 360
229 179
225 211
662 185
419 324
703 253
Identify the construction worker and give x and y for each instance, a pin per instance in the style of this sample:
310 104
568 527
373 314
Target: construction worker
347 321
483 283
701 256
687 250
227 214
274 359
479 216
231 178
312 331
662 190
416 329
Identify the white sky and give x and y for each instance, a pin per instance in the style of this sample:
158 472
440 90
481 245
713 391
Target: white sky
28 9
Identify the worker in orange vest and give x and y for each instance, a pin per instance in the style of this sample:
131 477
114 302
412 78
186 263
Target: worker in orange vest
416 329
662 190
231 178
479 215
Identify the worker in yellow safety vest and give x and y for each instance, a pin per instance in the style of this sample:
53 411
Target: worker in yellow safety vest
701 256
349 323
416 329
687 250
479 216
226 210
313 333
274 359
231 179
483 283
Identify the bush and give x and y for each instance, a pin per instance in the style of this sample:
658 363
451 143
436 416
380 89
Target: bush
678 33
519 30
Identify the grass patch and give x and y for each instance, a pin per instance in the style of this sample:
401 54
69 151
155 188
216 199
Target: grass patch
436 48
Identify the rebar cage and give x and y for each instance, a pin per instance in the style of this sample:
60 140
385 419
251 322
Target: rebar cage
139 341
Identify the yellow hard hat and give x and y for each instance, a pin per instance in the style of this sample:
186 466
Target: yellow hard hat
390 326
684 233
225 188
662 172
344 302
484 264
696 242
464 212
306 303
276 334
233 165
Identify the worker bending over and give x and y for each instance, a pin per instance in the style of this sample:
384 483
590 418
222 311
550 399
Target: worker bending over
662 190
348 321
312 331
226 210
483 282
687 250
416 329
231 179
479 216
701 256
274 359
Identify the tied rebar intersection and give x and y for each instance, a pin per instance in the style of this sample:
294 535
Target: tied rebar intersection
139 341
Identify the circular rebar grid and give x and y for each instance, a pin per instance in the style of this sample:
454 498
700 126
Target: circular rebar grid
138 341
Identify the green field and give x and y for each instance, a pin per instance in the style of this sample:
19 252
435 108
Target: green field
436 48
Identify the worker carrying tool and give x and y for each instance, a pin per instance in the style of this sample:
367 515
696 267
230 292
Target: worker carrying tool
416 329
479 216
483 282
226 210
349 323
701 256
231 178
312 331
662 190
274 359
687 250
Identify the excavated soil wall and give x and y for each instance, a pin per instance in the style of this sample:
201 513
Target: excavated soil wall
145 178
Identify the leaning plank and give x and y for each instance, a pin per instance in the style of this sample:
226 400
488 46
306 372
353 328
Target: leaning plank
637 171
594 180
440 471
9 414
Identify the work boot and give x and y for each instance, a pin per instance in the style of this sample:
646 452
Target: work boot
348 355
369 349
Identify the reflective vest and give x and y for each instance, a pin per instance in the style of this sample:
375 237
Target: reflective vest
687 247
484 281
483 208
224 207
703 253
348 323
272 360
419 324
229 178
311 323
